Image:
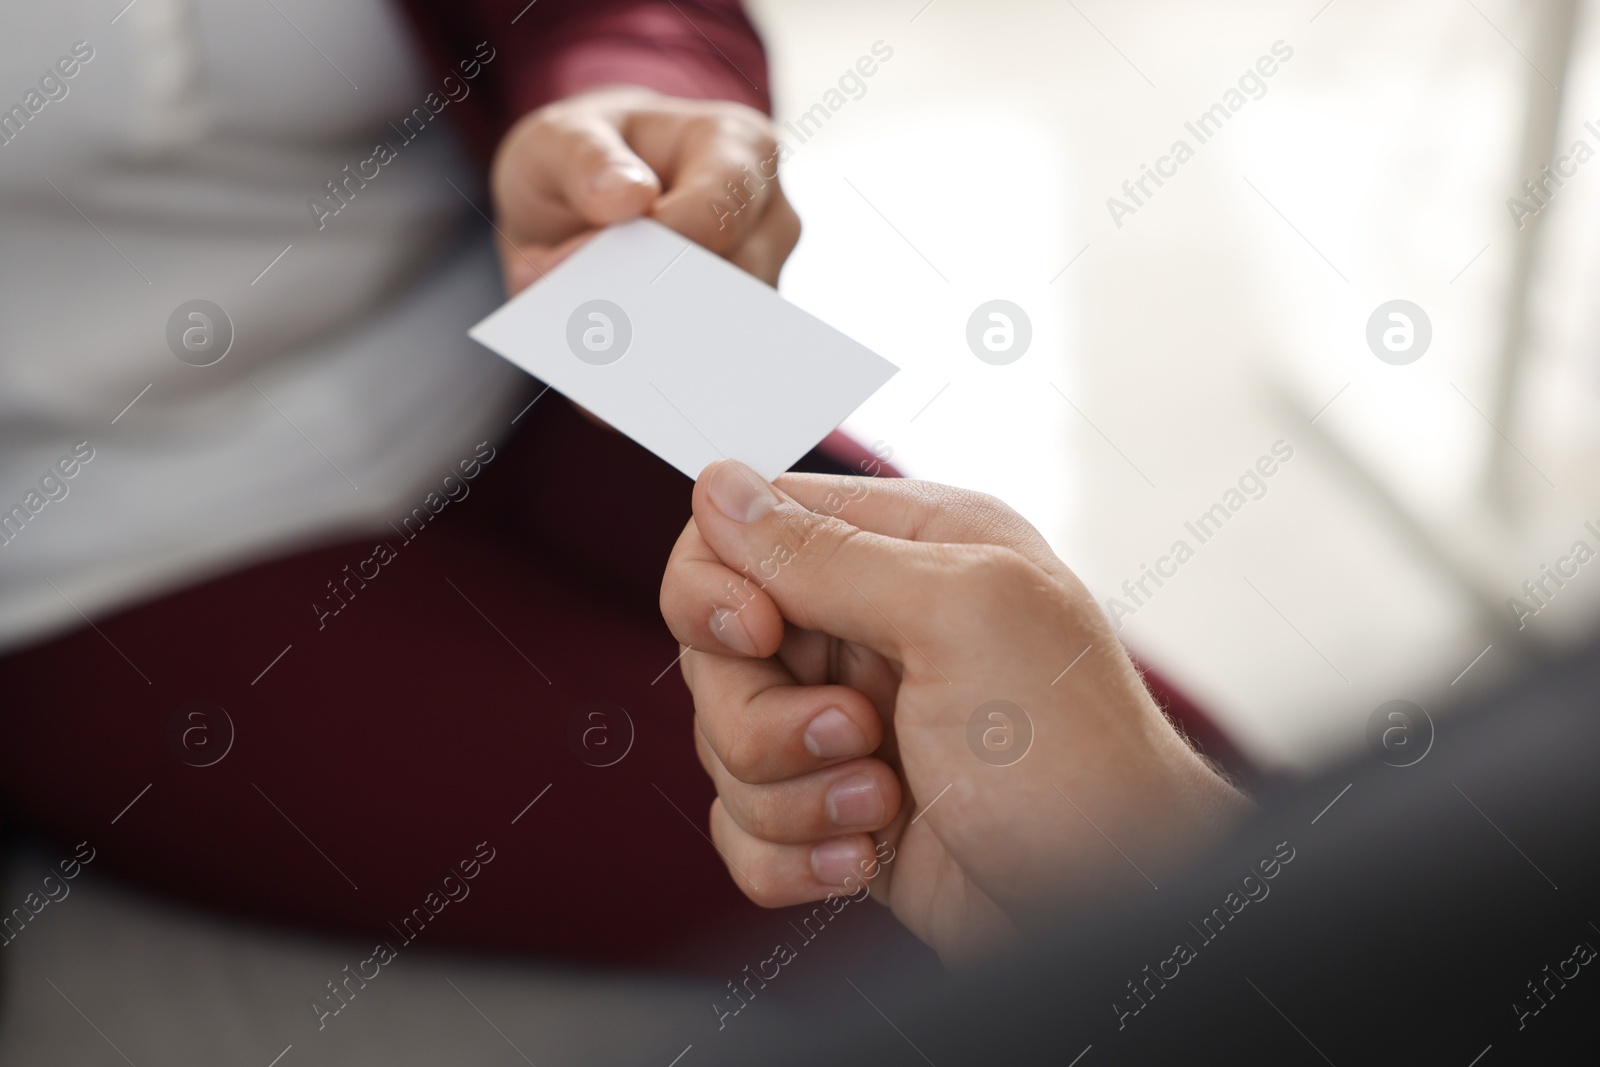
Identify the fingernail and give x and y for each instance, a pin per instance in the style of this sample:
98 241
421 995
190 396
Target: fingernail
834 862
618 177
730 630
739 492
855 801
832 735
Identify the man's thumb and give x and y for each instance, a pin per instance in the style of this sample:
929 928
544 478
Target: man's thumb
823 573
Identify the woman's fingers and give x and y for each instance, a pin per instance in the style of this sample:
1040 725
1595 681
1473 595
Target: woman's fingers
778 875
721 170
525 264
567 169
767 247
707 169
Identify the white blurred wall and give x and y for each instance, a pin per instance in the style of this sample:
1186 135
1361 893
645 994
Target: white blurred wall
1223 316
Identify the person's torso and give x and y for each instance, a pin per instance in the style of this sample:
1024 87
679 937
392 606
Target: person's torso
209 150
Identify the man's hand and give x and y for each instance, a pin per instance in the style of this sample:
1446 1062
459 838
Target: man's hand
848 637
566 170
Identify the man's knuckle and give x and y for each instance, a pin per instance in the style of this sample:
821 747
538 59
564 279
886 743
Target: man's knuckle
769 813
983 512
765 898
992 575
828 538
743 754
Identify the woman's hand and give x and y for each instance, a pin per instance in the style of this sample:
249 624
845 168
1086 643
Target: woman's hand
885 662
569 168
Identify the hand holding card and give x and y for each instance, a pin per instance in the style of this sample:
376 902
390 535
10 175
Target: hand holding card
686 354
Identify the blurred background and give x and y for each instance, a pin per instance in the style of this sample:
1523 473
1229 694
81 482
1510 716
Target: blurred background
1230 312
1176 337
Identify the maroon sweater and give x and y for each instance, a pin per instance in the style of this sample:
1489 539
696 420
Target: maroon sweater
550 49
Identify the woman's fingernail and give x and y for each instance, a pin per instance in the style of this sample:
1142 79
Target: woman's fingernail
855 801
834 862
832 735
614 178
739 492
730 630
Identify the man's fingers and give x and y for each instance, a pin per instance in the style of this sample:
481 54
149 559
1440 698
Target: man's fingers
920 511
820 572
861 795
764 728
864 559
710 607
778 875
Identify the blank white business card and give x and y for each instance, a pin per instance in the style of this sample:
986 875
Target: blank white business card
684 352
